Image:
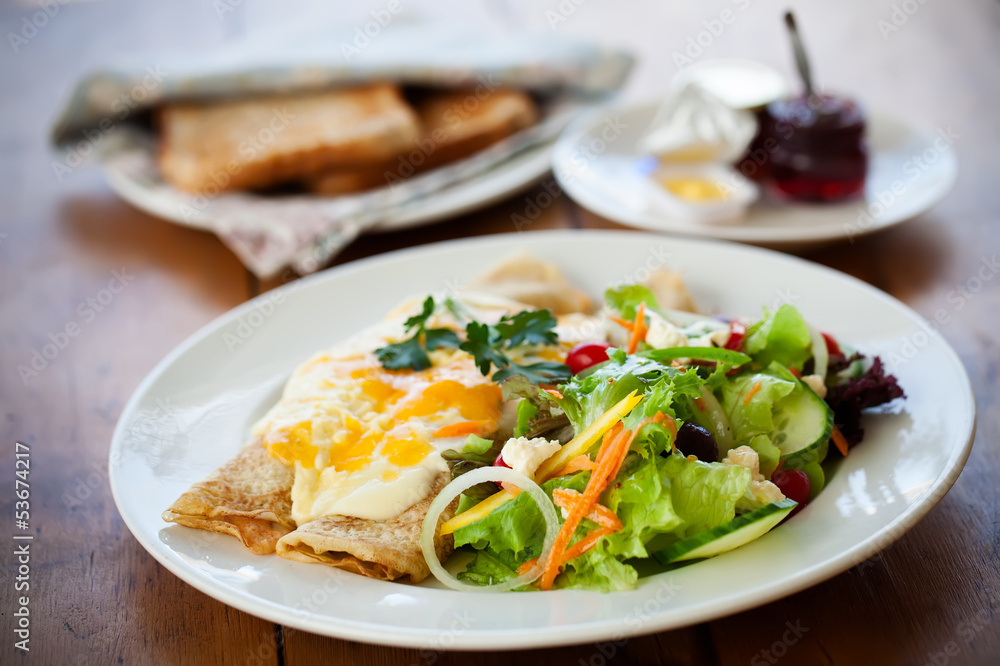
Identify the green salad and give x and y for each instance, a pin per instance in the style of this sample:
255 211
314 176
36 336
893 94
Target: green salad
683 437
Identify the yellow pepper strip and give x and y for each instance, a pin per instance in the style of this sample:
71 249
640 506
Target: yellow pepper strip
579 445
477 512
583 442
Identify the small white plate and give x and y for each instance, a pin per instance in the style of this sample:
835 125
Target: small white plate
131 173
910 170
194 410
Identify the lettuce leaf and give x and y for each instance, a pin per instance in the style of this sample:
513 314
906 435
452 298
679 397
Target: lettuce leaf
755 418
598 569
515 530
586 398
643 504
670 498
767 453
627 298
781 336
704 494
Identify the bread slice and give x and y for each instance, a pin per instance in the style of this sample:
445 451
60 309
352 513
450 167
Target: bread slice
462 122
455 124
351 180
264 141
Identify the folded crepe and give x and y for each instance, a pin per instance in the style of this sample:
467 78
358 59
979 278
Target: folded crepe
248 498
251 497
387 550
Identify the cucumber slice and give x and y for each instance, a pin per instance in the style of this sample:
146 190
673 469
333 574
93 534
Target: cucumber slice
737 532
802 421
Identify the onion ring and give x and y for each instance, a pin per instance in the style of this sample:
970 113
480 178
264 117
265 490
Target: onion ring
504 474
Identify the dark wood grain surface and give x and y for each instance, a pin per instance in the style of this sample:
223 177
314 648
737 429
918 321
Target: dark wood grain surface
98 597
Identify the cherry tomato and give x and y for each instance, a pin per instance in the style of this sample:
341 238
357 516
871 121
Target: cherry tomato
831 345
793 484
500 462
737 332
586 354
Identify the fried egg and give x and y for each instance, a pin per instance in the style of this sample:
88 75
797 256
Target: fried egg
366 441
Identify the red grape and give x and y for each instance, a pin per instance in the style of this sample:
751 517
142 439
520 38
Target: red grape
793 484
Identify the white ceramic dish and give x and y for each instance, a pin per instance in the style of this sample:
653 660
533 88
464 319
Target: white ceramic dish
194 410
142 188
910 171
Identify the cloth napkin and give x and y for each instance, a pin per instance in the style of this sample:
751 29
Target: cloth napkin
270 232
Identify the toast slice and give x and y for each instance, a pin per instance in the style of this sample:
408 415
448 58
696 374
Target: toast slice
462 122
264 141
455 124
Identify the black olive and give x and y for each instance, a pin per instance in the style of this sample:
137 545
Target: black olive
693 440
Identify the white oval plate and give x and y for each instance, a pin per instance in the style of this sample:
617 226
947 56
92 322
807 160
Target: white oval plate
132 175
194 411
596 162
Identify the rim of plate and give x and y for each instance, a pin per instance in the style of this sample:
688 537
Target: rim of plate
551 636
507 178
776 236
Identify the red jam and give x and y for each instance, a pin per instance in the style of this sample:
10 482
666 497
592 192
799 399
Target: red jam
810 149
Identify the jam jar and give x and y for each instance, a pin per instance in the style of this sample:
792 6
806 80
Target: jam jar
812 148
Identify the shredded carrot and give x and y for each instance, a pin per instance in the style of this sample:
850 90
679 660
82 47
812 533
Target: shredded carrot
700 404
565 498
639 328
554 393
615 430
584 544
669 421
613 449
511 488
676 363
624 323
795 371
577 464
839 441
628 436
465 428
751 393
527 566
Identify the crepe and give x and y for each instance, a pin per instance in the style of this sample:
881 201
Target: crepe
248 498
387 550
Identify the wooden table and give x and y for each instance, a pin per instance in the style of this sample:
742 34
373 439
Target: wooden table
98 597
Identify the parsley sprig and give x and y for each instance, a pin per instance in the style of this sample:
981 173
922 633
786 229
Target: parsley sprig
487 344
412 352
